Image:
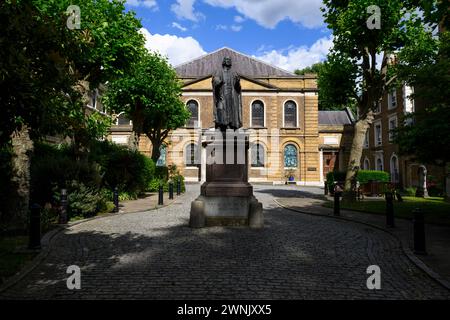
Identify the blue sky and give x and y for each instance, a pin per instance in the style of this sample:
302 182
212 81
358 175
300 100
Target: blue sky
287 33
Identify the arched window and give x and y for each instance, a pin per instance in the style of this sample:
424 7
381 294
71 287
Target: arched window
162 158
191 155
379 164
290 114
366 165
290 156
192 106
258 156
122 120
395 177
257 114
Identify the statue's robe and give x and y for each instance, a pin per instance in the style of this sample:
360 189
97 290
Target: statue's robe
227 99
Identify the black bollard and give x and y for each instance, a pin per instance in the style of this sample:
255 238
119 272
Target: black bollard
337 206
171 190
35 227
116 199
390 209
63 213
419 232
178 186
326 188
160 195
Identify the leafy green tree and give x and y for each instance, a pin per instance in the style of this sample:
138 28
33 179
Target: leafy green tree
315 68
150 96
351 73
425 65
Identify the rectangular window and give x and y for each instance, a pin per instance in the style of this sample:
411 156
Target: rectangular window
392 127
377 108
378 135
366 140
392 99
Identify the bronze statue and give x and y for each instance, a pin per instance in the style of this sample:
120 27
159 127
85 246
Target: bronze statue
227 97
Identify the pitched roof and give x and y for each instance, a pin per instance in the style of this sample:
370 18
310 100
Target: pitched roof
243 64
336 117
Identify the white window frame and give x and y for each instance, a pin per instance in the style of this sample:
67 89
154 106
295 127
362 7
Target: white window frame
379 157
366 139
391 167
375 138
393 117
199 123
378 107
297 113
366 160
251 113
391 95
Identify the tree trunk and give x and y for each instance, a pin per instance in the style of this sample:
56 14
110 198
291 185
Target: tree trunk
156 152
361 127
20 202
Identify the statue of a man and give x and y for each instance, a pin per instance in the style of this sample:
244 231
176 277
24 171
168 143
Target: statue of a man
227 97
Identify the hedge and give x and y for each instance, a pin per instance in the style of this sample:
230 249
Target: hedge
363 176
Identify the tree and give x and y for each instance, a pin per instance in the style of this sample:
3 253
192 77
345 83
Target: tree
48 69
315 68
325 85
105 46
361 33
425 65
150 96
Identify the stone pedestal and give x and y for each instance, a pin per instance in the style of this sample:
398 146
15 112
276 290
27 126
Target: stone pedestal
226 198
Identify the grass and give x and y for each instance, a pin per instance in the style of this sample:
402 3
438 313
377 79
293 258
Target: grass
13 255
435 209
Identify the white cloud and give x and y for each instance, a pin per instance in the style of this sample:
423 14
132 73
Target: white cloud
177 49
238 19
268 13
178 26
145 3
184 9
236 28
300 57
221 27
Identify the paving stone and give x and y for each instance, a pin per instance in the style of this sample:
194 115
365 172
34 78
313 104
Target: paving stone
154 255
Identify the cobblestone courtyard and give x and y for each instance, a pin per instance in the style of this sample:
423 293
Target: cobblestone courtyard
155 255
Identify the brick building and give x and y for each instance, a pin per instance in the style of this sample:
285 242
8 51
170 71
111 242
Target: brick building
289 136
381 153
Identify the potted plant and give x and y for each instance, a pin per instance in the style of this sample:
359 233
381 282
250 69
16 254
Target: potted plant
290 175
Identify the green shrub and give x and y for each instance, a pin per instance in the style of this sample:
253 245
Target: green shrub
411 191
130 171
364 176
162 172
52 168
82 201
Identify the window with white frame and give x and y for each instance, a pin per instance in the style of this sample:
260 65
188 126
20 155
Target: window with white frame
258 114
395 176
257 156
366 140
392 99
366 165
392 126
191 155
290 114
379 163
378 134
192 106
377 107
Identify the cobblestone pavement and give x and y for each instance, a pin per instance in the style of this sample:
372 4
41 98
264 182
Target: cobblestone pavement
154 255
